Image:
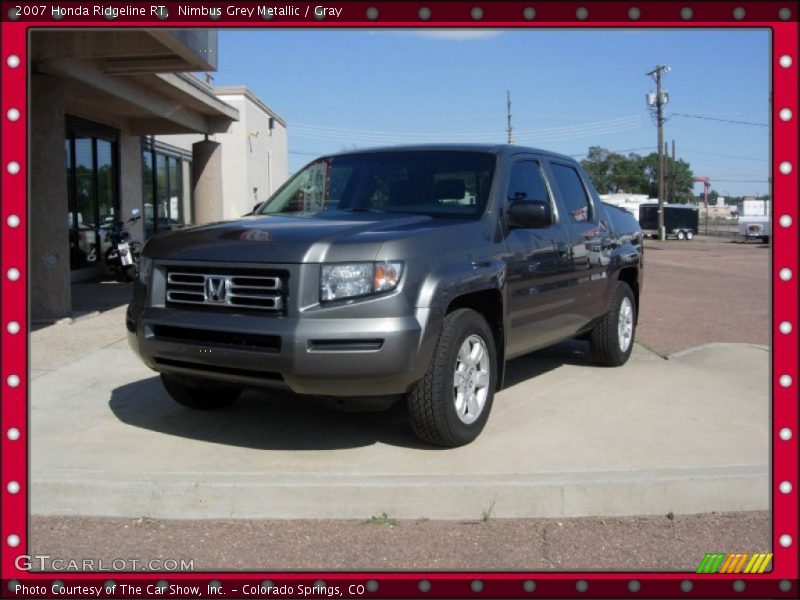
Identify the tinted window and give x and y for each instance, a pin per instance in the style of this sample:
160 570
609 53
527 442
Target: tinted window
527 183
437 183
572 191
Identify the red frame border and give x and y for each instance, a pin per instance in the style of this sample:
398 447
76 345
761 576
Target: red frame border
13 360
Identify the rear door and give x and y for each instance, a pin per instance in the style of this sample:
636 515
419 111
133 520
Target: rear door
538 267
590 240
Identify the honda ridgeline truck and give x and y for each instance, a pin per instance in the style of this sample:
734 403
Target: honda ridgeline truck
413 272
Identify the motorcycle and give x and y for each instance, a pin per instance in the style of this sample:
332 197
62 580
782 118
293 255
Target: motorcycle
122 258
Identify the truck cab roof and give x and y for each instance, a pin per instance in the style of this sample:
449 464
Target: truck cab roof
502 150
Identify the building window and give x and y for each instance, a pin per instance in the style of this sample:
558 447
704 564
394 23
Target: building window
92 189
162 187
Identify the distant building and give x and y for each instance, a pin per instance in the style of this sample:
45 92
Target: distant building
629 202
254 153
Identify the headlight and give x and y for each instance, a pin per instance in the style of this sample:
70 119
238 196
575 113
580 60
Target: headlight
145 267
348 280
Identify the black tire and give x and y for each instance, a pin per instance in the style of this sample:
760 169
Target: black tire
689 234
432 402
111 255
604 341
681 235
197 394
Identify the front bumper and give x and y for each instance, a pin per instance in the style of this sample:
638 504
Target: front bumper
322 356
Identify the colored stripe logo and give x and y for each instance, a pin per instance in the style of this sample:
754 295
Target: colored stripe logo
737 562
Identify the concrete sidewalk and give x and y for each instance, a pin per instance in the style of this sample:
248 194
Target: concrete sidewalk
566 438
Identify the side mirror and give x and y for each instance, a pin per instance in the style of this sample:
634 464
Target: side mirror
529 214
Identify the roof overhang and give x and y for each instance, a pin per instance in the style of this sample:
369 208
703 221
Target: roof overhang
243 90
131 50
147 103
139 79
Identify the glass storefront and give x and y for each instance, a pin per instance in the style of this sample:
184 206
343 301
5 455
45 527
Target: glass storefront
162 187
92 189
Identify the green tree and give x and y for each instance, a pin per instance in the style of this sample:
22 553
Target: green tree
634 174
600 164
683 182
629 175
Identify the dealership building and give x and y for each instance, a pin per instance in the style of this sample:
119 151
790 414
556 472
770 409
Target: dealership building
118 121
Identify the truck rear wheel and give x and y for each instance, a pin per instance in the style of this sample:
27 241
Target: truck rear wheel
681 235
199 394
689 234
611 341
451 404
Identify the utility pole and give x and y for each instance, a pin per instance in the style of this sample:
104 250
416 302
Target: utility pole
674 175
658 101
666 173
510 129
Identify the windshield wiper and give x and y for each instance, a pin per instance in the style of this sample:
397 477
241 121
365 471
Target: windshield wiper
361 209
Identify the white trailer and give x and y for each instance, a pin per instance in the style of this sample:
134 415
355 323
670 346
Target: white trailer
754 220
757 227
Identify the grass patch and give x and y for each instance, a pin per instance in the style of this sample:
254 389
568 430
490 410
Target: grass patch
488 512
383 519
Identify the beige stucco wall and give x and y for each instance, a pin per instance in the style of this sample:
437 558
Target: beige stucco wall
207 181
257 163
48 258
130 192
255 160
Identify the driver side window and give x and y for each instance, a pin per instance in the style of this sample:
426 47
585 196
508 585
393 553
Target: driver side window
527 183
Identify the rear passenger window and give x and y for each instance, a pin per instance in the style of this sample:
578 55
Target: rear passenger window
572 191
526 182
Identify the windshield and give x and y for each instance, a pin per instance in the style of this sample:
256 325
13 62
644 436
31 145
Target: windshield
438 183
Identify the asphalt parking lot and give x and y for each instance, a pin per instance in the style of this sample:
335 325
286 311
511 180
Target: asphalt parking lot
705 290
104 448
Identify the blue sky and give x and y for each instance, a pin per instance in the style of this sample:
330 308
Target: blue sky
340 89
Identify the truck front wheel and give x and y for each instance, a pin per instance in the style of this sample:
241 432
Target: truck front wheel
198 394
611 341
451 404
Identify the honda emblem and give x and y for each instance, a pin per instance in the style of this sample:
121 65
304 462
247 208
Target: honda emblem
216 288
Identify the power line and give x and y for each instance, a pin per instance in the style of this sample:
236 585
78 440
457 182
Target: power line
617 151
461 138
338 133
726 155
721 120
740 180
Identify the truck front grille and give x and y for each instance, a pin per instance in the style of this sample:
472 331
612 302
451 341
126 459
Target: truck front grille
225 289
205 337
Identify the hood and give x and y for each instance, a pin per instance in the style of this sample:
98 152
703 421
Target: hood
322 237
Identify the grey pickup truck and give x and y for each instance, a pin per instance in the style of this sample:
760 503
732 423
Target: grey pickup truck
409 272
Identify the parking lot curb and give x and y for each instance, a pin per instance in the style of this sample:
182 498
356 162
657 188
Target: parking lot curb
325 496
